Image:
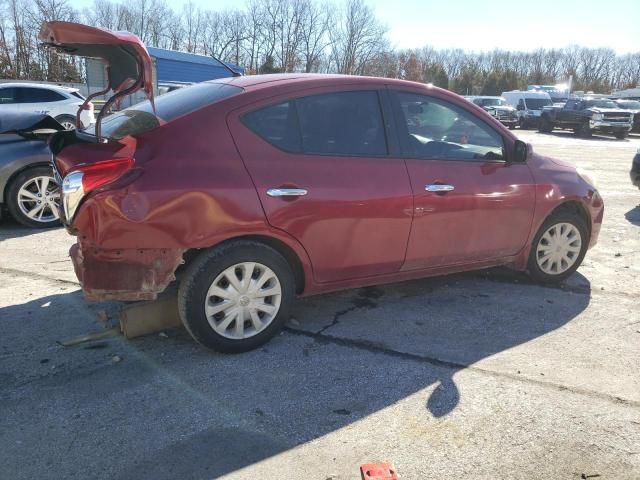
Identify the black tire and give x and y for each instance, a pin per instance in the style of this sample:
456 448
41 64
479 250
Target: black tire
522 123
13 204
545 125
621 135
574 219
203 271
583 131
62 119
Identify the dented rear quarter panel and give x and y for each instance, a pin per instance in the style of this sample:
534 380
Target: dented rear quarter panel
189 189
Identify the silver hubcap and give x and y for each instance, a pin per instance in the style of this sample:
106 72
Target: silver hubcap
559 248
39 199
243 300
67 125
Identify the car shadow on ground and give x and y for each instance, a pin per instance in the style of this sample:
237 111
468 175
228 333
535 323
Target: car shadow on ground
171 409
633 215
9 228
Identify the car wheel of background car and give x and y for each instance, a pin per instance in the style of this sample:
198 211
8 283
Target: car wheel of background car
584 131
522 124
544 125
621 135
33 198
558 248
235 297
67 121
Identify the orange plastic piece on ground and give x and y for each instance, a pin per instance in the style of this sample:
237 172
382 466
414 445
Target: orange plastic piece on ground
378 471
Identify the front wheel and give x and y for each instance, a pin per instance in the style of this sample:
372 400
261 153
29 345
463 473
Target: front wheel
621 135
33 198
545 125
583 131
67 121
236 297
558 248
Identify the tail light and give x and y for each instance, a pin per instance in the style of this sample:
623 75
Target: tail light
87 178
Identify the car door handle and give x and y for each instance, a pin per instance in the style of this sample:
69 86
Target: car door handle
286 192
439 187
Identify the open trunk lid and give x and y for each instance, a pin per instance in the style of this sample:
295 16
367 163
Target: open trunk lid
128 64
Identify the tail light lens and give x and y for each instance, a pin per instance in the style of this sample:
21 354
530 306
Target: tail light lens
87 178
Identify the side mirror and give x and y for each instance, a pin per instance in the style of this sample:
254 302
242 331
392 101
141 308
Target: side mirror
520 151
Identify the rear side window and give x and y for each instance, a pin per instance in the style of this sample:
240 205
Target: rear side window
7 96
341 123
344 123
141 117
38 95
77 95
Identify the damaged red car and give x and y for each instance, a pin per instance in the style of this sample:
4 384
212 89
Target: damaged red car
254 190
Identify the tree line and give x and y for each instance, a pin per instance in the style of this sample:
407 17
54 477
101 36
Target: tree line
271 36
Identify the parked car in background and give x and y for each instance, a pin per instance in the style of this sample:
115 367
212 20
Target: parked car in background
28 191
635 170
634 107
558 93
586 116
529 105
261 188
59 102
498 107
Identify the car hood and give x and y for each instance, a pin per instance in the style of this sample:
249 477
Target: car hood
608 110
128 64
500 108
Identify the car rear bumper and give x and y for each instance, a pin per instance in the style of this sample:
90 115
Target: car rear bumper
128 274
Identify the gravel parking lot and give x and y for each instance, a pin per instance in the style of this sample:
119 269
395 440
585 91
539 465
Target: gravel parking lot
480 375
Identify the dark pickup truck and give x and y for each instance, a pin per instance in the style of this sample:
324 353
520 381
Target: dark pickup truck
586 116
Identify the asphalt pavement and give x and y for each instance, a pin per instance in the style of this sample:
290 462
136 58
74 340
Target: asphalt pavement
471 376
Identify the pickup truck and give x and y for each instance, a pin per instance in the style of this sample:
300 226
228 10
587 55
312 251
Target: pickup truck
586 116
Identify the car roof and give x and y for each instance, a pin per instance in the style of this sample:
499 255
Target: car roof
46 86
254 82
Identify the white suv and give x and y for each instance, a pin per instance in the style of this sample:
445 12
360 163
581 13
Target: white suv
61 103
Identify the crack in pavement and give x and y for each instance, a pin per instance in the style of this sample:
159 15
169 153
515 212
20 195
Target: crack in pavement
380 348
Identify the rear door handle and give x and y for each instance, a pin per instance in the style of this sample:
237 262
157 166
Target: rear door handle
286 192
439 187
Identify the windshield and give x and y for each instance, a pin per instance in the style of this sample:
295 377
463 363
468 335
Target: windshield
600 104
492 102
537 103
141 117
629 105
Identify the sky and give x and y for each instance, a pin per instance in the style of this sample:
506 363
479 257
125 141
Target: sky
490 24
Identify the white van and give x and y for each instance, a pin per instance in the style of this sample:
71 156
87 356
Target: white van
528 104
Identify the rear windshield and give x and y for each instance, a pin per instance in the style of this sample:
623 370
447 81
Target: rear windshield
141 117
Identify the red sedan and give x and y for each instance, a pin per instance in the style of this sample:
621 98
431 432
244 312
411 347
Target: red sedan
254 190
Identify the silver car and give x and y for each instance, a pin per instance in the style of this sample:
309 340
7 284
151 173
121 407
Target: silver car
28 191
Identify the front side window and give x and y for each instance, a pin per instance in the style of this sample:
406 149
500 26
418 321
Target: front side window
435 129
341 123
38 95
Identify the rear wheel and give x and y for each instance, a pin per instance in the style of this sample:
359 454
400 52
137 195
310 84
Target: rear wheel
33 198
236 297
67 121
558 248
522 123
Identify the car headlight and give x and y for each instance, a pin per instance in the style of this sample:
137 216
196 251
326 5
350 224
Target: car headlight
597 117
587 177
